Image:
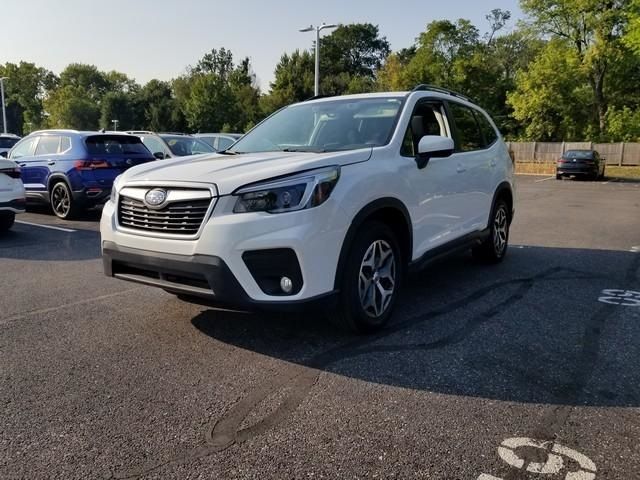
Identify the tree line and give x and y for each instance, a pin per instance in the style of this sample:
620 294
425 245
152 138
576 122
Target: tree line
569 72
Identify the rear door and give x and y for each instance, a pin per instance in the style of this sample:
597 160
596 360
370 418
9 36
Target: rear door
474 163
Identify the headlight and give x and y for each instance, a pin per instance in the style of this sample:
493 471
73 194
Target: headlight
114 189
297 192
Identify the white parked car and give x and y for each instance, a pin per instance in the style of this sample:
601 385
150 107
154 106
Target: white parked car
12 196
327 202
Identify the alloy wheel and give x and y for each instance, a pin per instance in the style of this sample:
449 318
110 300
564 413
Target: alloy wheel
377 279
60 200
500 230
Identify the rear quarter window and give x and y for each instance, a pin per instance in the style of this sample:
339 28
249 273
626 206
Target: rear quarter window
115 145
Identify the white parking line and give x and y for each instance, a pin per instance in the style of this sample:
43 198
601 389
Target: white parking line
544 179
69 230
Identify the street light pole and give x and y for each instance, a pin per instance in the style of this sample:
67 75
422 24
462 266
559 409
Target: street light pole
115 125
310 28
4 111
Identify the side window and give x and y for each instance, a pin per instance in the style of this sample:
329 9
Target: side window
48 145
468 132
65 144
428 118
224 143
153 144
489 133
24 148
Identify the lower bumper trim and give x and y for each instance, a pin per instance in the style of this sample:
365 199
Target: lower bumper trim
201 279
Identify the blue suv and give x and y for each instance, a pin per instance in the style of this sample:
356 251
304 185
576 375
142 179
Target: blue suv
73 170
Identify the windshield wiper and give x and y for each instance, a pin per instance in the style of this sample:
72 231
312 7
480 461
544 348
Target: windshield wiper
228 152
304 149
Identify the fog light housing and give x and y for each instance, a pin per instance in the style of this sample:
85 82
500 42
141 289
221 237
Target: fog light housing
276 271
286 284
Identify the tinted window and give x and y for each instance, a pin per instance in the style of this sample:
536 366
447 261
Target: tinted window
469 136
182 146
208 140
114 145
48 145
24 148
579 154
487 129
224 143
424 121
153 144
65 144
8 142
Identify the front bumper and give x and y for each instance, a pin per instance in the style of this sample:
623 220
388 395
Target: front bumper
214 266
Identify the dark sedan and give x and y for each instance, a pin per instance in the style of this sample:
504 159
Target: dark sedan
581 163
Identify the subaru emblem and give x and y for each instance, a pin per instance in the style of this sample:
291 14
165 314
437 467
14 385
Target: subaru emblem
155 197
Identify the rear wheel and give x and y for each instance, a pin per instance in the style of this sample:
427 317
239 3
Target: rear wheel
371 279
558 176
494 247
6 220
62 202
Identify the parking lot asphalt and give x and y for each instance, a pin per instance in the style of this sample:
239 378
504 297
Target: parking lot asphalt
525 370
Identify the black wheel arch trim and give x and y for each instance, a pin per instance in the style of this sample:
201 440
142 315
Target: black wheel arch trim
55 178
503 187
363 215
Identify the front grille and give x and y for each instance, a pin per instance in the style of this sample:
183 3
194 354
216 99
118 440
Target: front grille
178 218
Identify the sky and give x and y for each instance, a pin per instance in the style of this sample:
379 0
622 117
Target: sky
159 38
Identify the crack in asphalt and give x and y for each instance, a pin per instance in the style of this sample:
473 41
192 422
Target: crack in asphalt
225 432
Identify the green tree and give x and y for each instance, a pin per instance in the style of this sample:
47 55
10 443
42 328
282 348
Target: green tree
350 58
159 107
71 106
120 106
552 99
86 78
632 38
293 82
25 88
592 29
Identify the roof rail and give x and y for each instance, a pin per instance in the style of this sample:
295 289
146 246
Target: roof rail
434 88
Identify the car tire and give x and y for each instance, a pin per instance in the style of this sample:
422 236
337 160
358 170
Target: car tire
494 248
62 202
6 220
558 177
602 174
371 280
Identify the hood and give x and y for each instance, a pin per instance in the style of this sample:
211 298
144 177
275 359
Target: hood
229 172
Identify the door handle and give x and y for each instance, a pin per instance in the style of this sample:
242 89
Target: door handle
461 169
492 162
51 162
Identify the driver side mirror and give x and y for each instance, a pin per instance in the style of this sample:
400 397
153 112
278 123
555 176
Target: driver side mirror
433 146
4 154
159 155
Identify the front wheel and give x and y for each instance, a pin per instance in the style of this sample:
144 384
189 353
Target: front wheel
371 279
494 247
62 202
6 220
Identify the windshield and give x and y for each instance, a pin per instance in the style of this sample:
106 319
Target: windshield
326 126
183 146
579 154
115 145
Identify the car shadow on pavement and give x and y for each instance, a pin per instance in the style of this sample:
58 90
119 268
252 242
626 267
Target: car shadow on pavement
534 329
88 215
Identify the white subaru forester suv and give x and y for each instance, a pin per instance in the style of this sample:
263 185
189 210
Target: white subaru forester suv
327 202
